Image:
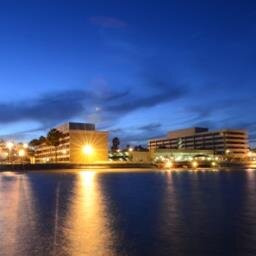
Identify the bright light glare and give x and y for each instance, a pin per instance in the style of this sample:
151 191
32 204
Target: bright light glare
21 152
87 177
168 164
9 145
87 149
250 153
195 164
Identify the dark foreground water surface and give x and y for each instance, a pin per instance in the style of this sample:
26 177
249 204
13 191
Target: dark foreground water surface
128 213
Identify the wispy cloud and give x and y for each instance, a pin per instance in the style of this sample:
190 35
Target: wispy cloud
150 127
136 135
49 108
60 106
105 109
107 22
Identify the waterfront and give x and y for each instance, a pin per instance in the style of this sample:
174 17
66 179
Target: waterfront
128 213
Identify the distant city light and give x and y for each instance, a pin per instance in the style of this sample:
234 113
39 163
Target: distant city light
227 151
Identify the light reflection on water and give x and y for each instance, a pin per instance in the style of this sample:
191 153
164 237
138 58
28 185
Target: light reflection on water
88 224
144 213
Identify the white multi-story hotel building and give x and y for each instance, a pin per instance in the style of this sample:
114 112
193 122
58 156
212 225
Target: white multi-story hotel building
224 142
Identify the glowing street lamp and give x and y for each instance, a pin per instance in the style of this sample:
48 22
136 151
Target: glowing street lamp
21 153
194 164
168 164
250 153
9 145
25 145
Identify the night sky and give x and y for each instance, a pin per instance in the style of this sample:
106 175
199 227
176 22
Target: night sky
135 68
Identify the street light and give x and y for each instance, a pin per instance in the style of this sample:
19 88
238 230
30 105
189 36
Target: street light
21 153
25 145
195 164
9 146
168 164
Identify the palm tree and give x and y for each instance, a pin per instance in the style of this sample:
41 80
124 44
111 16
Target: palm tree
42 140
53 139
33 143
115 144
32 146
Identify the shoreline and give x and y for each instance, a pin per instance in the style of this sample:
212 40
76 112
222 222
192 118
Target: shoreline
61 166
111 167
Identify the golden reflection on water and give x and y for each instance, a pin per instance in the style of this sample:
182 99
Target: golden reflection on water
17 218
89 230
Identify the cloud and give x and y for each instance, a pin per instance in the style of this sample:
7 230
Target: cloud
137 135
150 127
23 135
107 22
101 106
167 94
47 109
56 107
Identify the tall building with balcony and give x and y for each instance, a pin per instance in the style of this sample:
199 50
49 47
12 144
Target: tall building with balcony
81 143
223 142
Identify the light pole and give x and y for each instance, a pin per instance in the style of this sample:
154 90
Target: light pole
9 146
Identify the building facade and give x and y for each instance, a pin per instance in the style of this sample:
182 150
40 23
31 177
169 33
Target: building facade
229 142
183 155
81 143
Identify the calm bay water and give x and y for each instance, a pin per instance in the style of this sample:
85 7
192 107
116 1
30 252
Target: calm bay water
128 213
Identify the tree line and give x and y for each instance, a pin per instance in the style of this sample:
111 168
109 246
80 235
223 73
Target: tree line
53 139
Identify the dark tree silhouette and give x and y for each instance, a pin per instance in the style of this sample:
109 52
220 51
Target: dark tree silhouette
42 140
53 139
34 143
115 144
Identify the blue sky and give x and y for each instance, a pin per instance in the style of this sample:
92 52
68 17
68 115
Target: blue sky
135 68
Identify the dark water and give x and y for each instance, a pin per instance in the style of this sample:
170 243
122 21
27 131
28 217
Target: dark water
143 213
